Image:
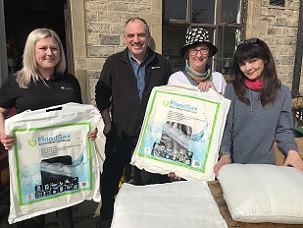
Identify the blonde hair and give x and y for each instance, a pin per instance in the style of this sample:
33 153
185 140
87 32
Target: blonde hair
29 70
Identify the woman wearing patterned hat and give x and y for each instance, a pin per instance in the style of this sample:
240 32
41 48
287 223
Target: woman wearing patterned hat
197 50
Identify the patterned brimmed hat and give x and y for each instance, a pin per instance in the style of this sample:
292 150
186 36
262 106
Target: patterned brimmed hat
198 35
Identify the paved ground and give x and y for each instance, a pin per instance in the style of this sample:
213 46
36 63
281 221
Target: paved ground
85 216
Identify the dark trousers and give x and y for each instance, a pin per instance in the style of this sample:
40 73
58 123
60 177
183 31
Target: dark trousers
118 152
64 218
142 177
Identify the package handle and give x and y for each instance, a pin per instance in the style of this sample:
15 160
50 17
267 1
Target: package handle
54 109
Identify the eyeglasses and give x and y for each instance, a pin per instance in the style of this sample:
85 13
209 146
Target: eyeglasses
194 52
248 41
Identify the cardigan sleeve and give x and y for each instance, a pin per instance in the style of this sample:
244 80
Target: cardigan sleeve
284 132
226 144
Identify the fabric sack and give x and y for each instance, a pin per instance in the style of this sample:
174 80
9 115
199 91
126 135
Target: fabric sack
257 193
181 132
172 205
53 164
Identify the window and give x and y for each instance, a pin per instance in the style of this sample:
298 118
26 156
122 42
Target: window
224 19
277 3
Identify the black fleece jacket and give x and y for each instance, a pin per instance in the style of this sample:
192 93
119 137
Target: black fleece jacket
117 89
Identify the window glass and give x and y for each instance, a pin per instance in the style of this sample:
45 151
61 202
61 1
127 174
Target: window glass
222 18
211 39
203 11
173 40
226 48
175 9
230 10
277 3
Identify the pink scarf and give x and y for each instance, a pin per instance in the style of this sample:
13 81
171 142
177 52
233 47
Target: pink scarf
256 85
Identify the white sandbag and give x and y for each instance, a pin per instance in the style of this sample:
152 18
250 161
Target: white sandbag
178 205
53 164
257 193
181 132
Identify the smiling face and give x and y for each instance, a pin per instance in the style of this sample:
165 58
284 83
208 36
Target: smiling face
137 38
198 57
252 68
47 54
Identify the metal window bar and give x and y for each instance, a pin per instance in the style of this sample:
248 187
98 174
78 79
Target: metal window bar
297 113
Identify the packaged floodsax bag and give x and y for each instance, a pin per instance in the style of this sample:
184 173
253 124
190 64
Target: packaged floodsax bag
53 164
181 132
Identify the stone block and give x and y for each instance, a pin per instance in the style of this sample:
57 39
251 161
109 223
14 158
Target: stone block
118 7
97 27
109 40
93 74
92 38
91 16
89 63
156 7
274 31
152 19
95 5
100 51
109 17
139 8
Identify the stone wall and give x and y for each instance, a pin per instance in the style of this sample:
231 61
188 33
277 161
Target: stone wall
97 27
277 26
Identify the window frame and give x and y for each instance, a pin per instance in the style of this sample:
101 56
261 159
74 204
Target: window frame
272 5
217 26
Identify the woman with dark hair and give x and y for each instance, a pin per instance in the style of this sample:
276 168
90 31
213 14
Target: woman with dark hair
260 111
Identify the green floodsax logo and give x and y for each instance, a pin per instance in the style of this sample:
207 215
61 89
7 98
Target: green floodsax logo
165 103
42 140
182 106
32 142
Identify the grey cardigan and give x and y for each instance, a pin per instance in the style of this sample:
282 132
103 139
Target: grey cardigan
251 129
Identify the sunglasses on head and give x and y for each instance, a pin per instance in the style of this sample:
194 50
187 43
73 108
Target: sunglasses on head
248 41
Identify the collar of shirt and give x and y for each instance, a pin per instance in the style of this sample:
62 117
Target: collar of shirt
139 71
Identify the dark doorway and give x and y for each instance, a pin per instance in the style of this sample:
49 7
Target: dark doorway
23 16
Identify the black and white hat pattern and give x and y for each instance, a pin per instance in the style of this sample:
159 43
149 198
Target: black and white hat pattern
198 35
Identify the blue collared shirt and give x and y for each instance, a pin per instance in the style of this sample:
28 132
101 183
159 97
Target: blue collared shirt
139 71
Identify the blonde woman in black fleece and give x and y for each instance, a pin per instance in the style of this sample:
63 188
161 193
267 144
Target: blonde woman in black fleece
260 111
42 82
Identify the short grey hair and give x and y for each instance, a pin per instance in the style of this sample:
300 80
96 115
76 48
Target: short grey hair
140 19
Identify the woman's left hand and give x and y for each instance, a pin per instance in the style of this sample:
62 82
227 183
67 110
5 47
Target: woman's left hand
293 159
93 134
204 86
224 160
